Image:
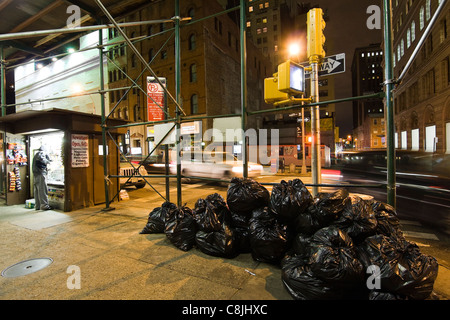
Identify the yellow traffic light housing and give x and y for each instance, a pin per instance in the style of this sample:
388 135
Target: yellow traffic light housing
271 92
315 37
291 78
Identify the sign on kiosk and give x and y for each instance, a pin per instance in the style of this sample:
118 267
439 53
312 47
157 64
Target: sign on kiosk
155 99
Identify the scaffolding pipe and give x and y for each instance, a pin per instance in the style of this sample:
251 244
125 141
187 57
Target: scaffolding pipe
178 98
378 95
102 103
389 86
39 33
243 87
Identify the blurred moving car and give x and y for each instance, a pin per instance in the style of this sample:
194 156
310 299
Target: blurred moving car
217 165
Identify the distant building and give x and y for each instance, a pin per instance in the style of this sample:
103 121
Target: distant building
368 115
422 99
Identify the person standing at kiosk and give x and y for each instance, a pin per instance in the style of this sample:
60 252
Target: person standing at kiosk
40 161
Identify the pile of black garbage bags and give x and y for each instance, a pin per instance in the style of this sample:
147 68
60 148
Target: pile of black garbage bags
331 246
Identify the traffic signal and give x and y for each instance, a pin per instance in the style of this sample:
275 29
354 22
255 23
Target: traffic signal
315 37
271 92
291 78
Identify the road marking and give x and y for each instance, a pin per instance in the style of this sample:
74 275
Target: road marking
422 201
421 235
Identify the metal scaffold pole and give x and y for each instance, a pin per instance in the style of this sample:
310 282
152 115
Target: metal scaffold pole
315 128
389 86
178 98
243 87
102 104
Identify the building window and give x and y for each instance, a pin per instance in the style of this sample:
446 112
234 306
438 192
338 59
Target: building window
408 38
428 10
404 140
133 61
415 139
192 44
250 9
163 54
413 31
194 104
150 30
430 138
443 30
193 73
422 18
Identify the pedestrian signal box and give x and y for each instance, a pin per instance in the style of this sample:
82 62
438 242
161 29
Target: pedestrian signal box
271 92
291 78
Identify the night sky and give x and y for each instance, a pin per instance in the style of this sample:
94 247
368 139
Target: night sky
345 31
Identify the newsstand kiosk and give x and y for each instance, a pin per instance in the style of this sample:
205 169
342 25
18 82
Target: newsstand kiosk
74 143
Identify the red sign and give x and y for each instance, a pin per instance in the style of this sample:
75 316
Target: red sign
155 99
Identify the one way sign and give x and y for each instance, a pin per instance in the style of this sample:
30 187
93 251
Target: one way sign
330 65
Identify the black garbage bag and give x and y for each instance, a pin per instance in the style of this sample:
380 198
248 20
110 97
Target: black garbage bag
388 223
404 270
330 205
180 227
357 219
301 244
308 222
289 199
334 260
240 226
214 236
157 219
209 213
377 295
245 195
217 243
268 238
301 282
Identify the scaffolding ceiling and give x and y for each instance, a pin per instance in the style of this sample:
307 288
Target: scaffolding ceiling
35 15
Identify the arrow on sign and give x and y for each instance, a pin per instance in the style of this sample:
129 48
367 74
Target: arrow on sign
330 65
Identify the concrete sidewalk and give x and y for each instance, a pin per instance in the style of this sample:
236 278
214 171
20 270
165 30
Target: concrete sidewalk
118 263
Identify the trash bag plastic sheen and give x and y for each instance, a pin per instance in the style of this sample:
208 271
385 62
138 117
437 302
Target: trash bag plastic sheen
357 219
289 199
209 213
330 205
301 282
245 195
180 227
404 270
156 219
333 258
268 238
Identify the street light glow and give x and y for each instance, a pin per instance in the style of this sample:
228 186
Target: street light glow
294 49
